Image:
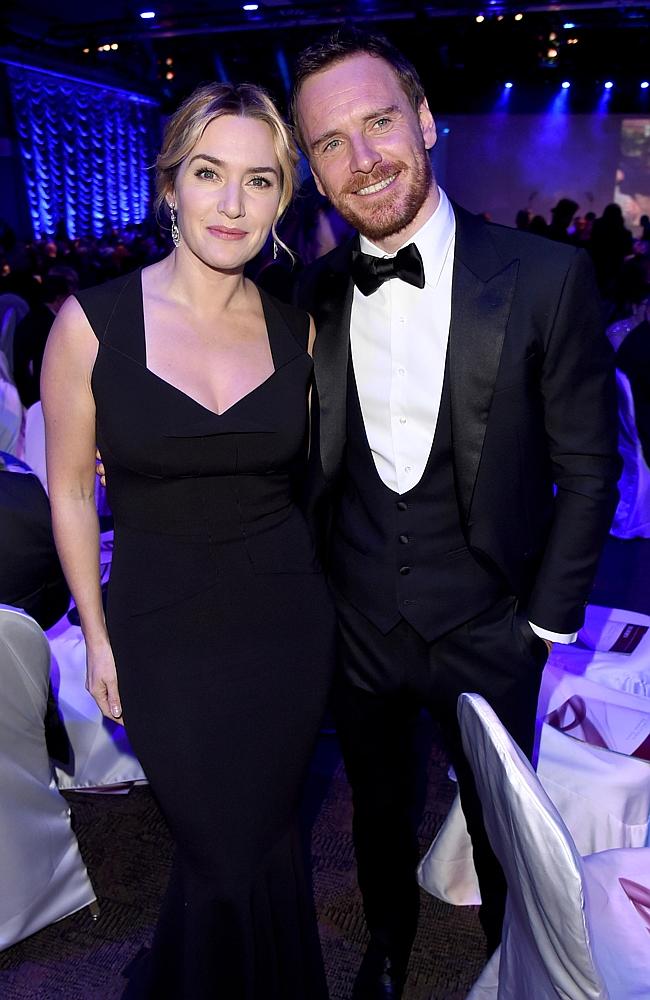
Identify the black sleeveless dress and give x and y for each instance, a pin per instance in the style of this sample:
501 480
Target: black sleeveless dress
223 636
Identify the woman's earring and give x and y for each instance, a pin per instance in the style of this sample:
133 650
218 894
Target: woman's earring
275 250
176 233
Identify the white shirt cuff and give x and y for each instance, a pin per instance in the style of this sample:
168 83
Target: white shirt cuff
563 637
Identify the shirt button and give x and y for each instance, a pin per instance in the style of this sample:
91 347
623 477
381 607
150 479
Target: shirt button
401 371
404 539
404 570
407 468
401 505
402 420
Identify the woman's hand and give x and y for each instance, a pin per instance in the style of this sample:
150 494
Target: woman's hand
99 468
101 682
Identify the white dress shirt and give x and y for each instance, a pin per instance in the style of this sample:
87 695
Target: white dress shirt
398 338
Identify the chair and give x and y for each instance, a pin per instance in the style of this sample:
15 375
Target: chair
11 412
574 928
42 875
601 792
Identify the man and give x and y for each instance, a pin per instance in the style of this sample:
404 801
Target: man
32 332
465 447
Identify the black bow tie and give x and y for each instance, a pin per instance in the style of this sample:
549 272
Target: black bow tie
368 272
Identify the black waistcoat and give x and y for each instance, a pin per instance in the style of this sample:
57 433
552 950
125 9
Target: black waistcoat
405 556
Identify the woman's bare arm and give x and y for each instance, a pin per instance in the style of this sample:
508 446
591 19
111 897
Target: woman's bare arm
69 410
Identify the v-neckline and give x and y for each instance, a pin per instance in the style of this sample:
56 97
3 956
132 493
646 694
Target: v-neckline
182 392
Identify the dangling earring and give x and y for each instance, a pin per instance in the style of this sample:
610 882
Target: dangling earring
276 250
176 233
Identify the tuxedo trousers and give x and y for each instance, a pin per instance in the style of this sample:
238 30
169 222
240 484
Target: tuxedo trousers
385 681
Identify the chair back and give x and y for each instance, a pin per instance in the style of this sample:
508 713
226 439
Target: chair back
546 940
42 876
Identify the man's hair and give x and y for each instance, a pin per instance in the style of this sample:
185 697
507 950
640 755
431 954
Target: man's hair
340 45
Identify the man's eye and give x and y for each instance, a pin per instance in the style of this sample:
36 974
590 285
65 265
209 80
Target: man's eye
331 145
382 122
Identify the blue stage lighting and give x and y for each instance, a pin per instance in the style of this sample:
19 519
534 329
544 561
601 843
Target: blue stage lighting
509 85
147 15
609 85
565 84
645 85
568 25
85 151
251 6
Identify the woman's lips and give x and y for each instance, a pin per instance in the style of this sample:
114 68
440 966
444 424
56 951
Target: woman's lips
223 233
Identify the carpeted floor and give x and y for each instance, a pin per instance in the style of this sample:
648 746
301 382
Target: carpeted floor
127 851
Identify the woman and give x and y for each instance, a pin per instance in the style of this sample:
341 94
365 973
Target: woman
218 629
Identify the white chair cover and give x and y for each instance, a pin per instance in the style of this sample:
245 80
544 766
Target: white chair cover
11 412
102 757
34 450
42 875
566 932
602 794
632 517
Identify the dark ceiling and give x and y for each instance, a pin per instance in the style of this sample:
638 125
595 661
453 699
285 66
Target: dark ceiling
461 60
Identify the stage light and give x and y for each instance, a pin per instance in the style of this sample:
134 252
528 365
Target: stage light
251 6
169 75
147 15
645 85
565 84
86 51
114 46
480 18
519 17
568 25
552 54
608 85
509 85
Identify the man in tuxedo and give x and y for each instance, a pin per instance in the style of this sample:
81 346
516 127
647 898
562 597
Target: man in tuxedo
464 456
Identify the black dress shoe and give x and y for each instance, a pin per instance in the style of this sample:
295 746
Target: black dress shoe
379 977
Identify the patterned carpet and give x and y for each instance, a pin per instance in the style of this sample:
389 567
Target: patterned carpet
126 847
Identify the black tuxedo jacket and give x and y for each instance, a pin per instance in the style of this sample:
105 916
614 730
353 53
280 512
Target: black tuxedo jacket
533 408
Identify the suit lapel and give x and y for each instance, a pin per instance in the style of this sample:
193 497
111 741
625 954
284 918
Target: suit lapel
482 291
332 311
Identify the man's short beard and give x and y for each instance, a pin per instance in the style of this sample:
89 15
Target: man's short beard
385 223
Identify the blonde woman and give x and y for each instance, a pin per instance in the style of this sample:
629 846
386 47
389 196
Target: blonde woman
217 647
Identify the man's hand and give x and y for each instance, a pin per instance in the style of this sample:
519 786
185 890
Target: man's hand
99 469
549 644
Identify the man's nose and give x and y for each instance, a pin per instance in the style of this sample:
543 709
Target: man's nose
364 156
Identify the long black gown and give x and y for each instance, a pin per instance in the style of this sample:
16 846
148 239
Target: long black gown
223 637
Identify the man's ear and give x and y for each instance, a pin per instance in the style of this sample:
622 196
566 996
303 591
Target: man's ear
427 125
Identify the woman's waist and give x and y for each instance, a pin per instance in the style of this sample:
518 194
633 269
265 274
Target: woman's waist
217 508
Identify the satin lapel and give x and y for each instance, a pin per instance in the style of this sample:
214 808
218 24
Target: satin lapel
482 292
332 308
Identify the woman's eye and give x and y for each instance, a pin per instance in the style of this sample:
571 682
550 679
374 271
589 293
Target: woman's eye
207 173
260 182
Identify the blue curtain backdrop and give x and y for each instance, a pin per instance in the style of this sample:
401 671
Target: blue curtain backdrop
86 151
